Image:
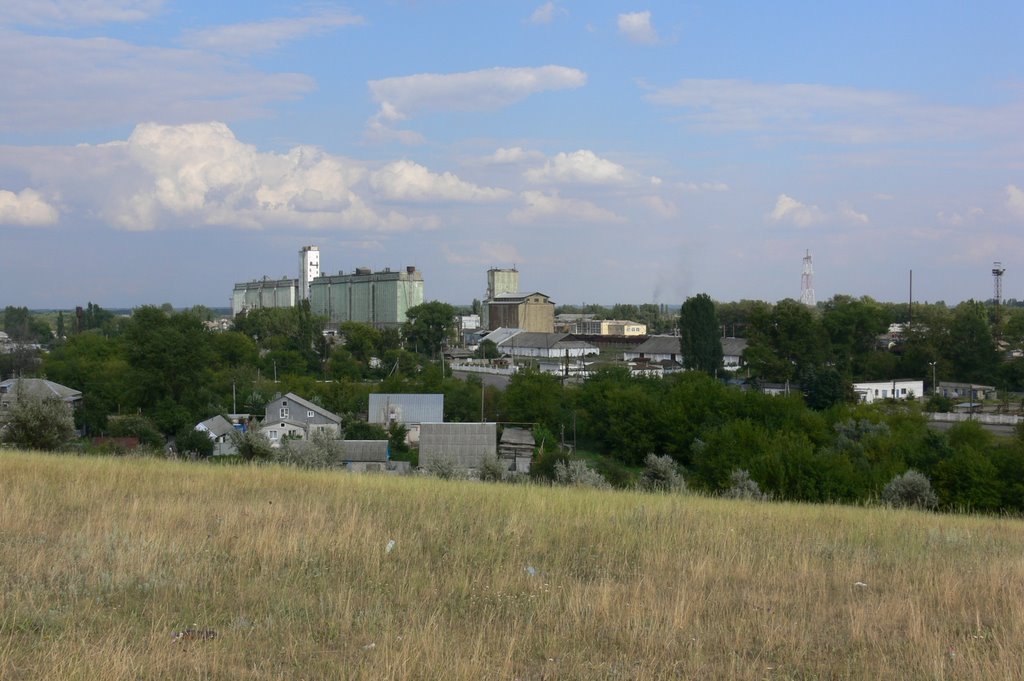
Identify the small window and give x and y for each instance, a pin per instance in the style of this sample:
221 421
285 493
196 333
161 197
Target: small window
284 412
310 414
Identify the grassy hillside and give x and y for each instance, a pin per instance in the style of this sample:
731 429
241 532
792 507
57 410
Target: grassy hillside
102 561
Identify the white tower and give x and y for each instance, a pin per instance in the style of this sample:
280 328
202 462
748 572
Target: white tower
309 269
807 282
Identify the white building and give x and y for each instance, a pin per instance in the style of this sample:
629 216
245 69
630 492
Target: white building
896 389
309 269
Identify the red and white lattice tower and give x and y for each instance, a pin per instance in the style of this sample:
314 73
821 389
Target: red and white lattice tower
807 282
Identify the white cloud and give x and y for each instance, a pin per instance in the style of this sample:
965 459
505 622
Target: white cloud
66 13
71 83
409 181
201 174
659 206
511 156
487 89
27 208
541 206
840 115
1015 200
789 210
958 219
487 253
583 166
546 13
262 36
700 187
848 213
637 28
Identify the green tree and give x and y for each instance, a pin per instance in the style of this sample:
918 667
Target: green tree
488 349
700 336
170 356
969 345
428 326
193 443
853 325
98 367
37 423
786 340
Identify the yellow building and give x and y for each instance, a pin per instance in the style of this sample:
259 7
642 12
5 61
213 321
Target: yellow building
527 311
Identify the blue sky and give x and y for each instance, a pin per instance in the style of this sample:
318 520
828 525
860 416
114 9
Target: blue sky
155 151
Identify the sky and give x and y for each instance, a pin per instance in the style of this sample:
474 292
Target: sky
154 151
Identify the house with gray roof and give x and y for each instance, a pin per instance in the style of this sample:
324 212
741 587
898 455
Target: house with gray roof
217 428
14 389
408 409
290 416
732 353
546 346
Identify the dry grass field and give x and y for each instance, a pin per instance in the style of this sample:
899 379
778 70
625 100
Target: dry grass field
146 569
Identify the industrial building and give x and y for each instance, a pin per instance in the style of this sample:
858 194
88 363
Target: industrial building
265 292
378 298
506 306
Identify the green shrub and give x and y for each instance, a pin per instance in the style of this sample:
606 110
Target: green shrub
34 423
137 426
742 486
193 443
321 450
661 474
492 469
911 489
578 474
445 469
252 446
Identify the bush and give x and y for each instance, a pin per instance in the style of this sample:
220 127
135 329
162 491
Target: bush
193 443
321 450
445 469
742 486
661 474
251 446
136 426
34 423
578 474
911 489
492 469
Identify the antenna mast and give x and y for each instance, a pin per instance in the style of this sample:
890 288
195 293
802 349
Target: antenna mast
997 277
807 282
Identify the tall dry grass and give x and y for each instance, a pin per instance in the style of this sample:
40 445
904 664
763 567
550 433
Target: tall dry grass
103 560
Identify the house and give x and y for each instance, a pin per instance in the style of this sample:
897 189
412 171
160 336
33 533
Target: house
545 346
464 444
659 369
966 391
290 416
36 388
896 389
776 389
366 456
217 427
656 349
732 353
410 410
